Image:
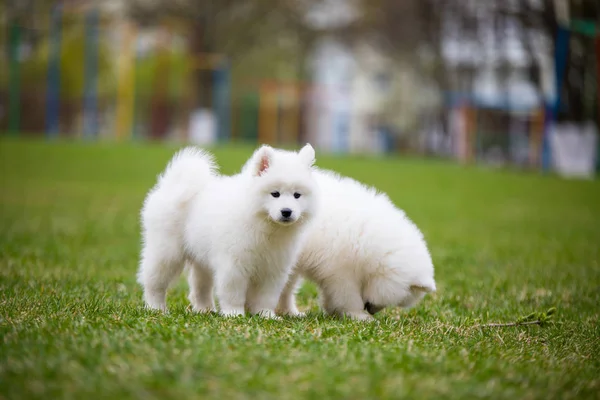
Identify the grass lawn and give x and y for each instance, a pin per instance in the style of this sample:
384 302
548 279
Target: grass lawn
72 322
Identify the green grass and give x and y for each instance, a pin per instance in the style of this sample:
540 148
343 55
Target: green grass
72 323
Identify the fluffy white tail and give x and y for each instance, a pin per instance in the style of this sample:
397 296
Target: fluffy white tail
187 173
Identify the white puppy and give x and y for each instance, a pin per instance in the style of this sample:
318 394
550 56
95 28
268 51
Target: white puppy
242 232
362 252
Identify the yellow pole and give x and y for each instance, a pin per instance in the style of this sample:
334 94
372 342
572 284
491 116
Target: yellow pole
274 113
291 113
262 113
126 82
81 26
267 116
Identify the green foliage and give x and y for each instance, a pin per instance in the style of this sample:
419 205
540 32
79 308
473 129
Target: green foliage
73 325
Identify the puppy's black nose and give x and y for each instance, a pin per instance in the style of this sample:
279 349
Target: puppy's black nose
286 212
372 309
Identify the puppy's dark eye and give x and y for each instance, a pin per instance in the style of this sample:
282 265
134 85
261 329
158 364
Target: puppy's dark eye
297 195
275 194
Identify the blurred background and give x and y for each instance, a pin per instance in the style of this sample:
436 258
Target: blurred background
500 82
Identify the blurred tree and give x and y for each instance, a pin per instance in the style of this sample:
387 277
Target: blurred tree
417 29
411 33
537 23
407 30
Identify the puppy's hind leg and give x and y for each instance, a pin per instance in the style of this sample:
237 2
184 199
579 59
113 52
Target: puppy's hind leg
155 275
287 300
343 298
200 280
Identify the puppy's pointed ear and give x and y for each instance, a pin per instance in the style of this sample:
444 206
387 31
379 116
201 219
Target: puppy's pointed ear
307 154
261 160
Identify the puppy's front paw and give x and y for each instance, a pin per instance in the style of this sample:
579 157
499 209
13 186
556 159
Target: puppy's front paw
232 312
199 306
203 310
155 301
291 313
296 314
269 314
359 315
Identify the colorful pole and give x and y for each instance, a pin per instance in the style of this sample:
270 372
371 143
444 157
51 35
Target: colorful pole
546 154
53 95
267 116
598 95
536 132
222 101
561 52
90 95
341 129
14 79
160 111
290 113
560 63
126 82
472 136
137 133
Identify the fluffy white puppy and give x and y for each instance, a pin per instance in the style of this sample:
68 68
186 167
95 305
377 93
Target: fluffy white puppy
362 252
243 232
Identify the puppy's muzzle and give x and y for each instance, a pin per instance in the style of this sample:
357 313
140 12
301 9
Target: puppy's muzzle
286 215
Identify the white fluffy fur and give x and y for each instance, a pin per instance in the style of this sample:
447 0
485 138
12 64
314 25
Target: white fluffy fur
229 230
361 249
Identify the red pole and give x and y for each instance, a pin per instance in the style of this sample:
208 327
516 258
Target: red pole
598 95
598 74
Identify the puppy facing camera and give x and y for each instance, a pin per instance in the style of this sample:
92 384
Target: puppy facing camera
240 234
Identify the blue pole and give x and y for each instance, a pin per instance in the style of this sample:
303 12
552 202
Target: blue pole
222 101
340 131
560 63
546 154
14 79
561 53
53 95
90 90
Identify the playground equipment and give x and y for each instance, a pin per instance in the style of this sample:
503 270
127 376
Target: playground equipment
53 83
54 29
143 101
139 100
123 105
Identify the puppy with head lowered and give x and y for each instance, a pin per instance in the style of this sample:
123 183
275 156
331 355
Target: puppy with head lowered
362 252
241 234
